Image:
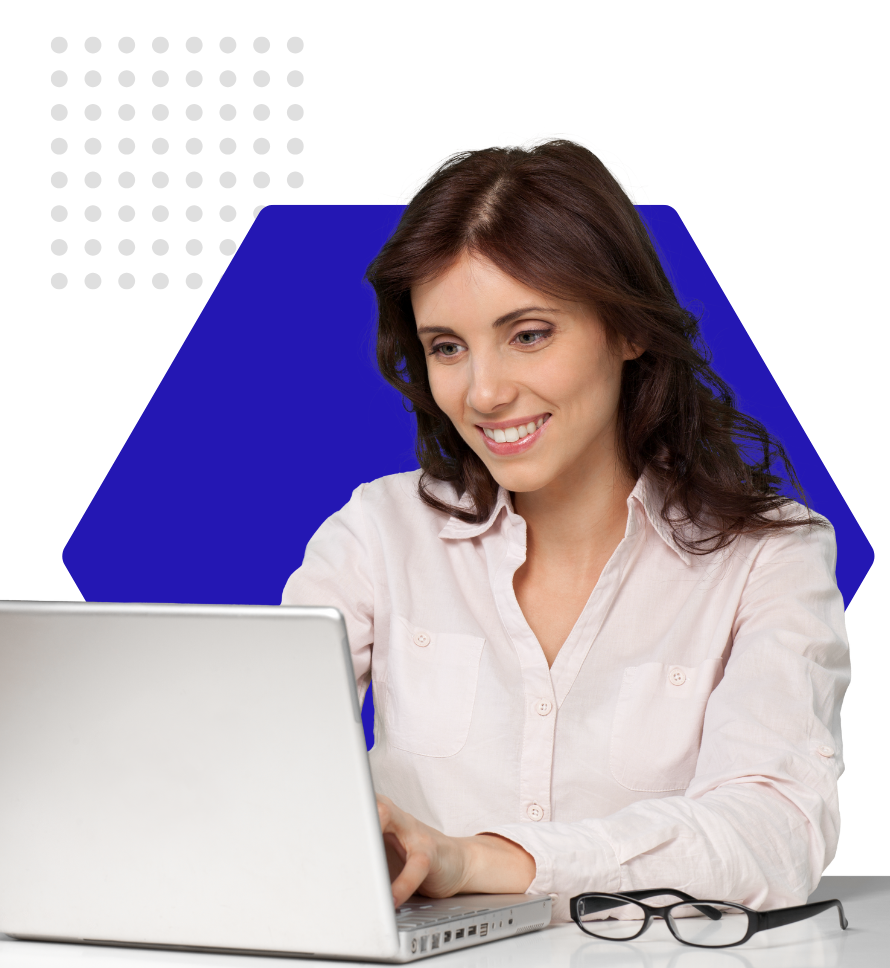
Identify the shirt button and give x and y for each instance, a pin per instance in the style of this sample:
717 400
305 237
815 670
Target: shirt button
825 751
422 638
535 811
677 676
543 707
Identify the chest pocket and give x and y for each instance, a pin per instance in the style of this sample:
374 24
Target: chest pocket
656 731
430 688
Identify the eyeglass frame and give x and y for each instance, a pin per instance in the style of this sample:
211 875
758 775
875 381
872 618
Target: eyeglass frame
757 920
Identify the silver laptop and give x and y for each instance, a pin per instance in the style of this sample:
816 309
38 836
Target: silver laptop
193 776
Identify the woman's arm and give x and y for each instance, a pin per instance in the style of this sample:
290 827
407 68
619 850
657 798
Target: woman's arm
426 860
498 866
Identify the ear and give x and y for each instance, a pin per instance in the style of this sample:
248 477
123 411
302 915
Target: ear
632 351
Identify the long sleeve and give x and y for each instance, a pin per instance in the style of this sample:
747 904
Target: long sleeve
760 821
336 571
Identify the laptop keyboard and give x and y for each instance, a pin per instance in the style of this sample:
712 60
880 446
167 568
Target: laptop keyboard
417 915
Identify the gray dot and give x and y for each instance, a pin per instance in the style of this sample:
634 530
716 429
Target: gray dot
159 45
226 45
227 78
59 281
226 146
59 146
59 112
92 247
227 246
59 213
227 179
159 179
193 179
92 112
92 280
159 146
227 112
295 45
126 78
93 45
193 213
159 213
59 179
126 247
193 78
295 146
59 246
193 280
295 78
92 179
92 146
92 78
261 146
193 45
159 78
59 45
126 281
92 213
126 213
227 213
126 112
261 179
261 45
159 112
261 112
193 146
159 247
257 210
59 78
159 281
193 112
126 179
193 247
261 78
126 146
295 179
126 45
295 112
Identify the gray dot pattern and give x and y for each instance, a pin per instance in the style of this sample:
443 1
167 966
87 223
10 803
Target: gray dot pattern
193 78
126 45
295 146
159 45
126 247
227 79
92 78
126 213
92 45
194 247
227 246
59 179
261 45
160 213
193 112
227 213
126 179
295 45
194 179
227 112
59 146
261 179
160 78
59 78
227 179
295 179
295 112
59 247
59 45
261 146
193 213
92 247
227 146
93 280
160 179
126 78
159 146
59 213
295 78
126 112
126 280
160 112
126 146
92 112
59 112
261 78
159 281
92 179
227 45
193 146
261 112
59 280
193 280
160 247
92 146
193 45
92 213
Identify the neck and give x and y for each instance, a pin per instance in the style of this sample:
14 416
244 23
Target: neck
572 529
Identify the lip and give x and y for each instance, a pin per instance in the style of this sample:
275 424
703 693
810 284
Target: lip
516 447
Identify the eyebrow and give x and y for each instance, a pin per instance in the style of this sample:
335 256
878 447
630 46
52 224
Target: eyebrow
500 321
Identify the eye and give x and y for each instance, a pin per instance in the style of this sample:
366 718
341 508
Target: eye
446 350
542 333
530 337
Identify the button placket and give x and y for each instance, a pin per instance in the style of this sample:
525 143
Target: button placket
542 707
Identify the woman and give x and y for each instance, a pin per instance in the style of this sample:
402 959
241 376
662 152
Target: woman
607 654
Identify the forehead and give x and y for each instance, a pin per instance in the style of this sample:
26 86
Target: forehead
472 286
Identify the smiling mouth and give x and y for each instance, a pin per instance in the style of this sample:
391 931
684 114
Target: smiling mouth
509 435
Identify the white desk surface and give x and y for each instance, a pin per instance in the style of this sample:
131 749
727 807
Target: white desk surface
816 942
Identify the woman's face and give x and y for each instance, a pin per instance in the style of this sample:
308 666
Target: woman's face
528 381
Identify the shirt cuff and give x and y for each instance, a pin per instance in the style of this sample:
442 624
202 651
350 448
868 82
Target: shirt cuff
570 859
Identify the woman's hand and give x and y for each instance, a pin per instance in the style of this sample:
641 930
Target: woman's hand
420 857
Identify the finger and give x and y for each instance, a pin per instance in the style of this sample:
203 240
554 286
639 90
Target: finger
392 842
414 873
395 856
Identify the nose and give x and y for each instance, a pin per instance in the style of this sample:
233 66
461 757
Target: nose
490 388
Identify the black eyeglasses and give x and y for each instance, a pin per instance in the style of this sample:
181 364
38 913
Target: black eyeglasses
702 924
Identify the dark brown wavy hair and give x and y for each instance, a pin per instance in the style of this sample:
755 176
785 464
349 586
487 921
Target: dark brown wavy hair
555 219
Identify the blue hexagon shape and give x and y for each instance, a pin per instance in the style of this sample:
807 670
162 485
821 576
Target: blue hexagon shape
273 411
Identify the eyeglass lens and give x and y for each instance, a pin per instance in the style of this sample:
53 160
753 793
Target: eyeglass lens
623 921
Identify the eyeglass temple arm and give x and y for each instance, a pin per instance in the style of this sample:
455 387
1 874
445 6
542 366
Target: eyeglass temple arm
775 919
591 906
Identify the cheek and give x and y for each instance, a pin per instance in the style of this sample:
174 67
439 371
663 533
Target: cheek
585 382
447 389
593 374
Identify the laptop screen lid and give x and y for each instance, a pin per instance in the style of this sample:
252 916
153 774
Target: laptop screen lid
187 775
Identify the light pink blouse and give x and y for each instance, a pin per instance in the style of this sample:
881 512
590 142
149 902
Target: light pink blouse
687 735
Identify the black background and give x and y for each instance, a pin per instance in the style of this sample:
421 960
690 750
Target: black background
746 162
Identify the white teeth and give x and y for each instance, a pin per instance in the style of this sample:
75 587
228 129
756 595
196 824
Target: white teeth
512 434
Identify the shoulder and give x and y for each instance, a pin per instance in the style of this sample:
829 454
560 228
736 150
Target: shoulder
395 500
391 488
811 537
806 529
808 524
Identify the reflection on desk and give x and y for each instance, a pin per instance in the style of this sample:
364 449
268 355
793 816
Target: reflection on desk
816 942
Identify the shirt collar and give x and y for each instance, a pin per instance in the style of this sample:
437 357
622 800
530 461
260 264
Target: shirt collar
645 493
